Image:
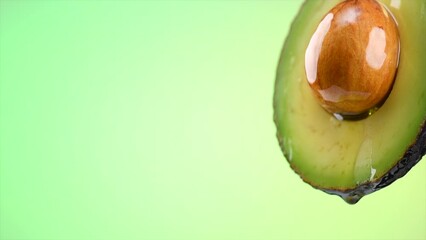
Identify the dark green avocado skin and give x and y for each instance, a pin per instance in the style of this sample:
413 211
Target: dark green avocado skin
411 157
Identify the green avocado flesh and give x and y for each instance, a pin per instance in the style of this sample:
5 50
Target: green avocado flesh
350 158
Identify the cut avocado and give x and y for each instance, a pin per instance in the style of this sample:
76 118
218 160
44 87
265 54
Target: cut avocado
353 158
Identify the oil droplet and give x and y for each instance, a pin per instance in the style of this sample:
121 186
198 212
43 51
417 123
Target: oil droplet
352 198
363 163
395 3
338 116
336 120
373 173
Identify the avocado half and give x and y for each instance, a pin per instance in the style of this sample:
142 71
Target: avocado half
353 158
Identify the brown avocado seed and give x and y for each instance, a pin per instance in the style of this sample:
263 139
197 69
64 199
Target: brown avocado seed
352 57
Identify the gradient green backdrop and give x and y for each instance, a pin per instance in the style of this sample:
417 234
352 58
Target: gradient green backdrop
153 120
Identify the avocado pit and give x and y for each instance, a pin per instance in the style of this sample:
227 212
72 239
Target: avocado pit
352 58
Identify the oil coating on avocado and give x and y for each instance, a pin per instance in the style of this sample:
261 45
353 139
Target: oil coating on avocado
353 158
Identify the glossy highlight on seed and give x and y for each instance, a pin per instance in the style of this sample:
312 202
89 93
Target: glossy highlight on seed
375 53
314 48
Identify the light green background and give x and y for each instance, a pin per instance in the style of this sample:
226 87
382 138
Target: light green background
153 120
